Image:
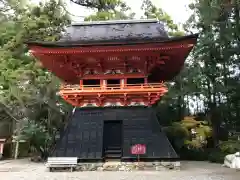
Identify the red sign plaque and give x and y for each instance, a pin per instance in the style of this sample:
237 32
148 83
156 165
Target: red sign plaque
138 149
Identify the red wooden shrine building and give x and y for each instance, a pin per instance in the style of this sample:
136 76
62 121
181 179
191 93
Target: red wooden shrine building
114 63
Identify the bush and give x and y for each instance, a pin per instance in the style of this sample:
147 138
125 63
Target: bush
38 137
177 134
193 144
216 156
193 153
177 130
229 147
193 150
189 122
224 148
198 148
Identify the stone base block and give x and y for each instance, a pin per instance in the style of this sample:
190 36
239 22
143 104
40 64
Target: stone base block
129 166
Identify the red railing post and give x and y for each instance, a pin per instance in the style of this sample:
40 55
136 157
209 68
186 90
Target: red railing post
81 84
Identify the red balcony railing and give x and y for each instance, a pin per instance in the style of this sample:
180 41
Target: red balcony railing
117 88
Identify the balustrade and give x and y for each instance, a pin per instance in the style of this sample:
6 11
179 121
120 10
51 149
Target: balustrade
113 87
146 93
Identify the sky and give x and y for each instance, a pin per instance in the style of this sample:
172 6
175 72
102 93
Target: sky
177 9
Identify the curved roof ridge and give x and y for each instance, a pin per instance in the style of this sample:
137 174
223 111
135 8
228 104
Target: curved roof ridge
109 22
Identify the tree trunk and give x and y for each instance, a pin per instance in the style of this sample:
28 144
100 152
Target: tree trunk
214 115
16 149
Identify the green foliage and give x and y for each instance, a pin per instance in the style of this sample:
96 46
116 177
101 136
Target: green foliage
190 122
177 134
202 127
217 55
193 153
108 10
197 148
153 12
209 82
28 93
106 15
229 147
224 148
182 129
102 5
38 137
216 156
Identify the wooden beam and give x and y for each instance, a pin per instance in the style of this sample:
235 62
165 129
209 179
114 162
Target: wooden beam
114 76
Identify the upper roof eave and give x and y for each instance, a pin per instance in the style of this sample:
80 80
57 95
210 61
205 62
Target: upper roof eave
109 42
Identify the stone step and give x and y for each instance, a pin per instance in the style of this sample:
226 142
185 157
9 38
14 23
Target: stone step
113 156
113 148
113 151
113 160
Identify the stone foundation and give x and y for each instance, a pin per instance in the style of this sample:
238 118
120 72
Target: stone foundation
129 166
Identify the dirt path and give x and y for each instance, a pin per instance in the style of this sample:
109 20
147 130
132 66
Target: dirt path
24 170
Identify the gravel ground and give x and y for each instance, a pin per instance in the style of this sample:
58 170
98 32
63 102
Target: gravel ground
24 170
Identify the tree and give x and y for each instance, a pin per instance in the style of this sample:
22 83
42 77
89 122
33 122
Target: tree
101 5
106 9
217 21
173 102
28 92
153 12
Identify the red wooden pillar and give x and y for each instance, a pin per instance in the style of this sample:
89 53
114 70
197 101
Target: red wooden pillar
123 83
81 83
103 83
145 81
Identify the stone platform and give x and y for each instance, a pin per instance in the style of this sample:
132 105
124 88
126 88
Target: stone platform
129 166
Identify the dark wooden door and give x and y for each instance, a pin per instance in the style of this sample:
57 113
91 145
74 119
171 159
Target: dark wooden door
112 134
